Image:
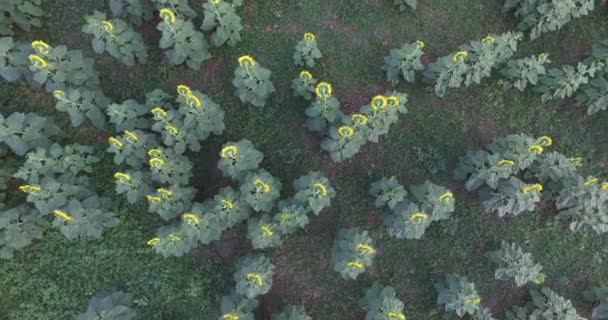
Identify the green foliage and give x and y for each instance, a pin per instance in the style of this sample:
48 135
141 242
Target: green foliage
57 68
546 305
388 192
404 4
292 313
381 303
290 217
133 184
409 217
458 295
130 148
170 168
229 207
115 37
181 42
181 7
302 86
382 112
542 16
474 62
263 233
253 275
307 51
515 264
342 143
23 13
512 196
313 191
404 62
352 253
252 82
64 163
200 226
237 306
598 294
80 104
594 96
194 121
239 158
221 18
133 11
430 158
519 73
260 190
169 243
19 227
87 218
13 59
324 111
22 132
168 203
127 115
584 203
109 306
565 82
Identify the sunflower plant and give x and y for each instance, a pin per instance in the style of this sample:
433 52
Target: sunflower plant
237 307
379 115
131 147
181 8
134 184
61 162
84 219
291 217
353 253
291 312
342 143
221 18
307 51
381 303
13 59
302 86
128 115
405 4
168 167
313 191
523 72
260 190
594 96
546 304
583 202
133 11
515 264
181 42
23 13
388 192
263 232
324 111
511 197
541 16
448 72
229 207
109 306
404 62
458 295
252 82
199 226
253 275
237 159
169 242
80 104
22 132
19 227
117 38
170 202
57 68
565 82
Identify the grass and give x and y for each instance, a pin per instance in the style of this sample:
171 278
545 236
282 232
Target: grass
55 278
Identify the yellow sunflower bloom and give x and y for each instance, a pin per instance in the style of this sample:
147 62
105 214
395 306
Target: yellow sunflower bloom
321 187
191 217
229 152
256 277
323 90
259 183
460 54
379 102
246 60
346 131
62 215
167 15
41 47
418 217
38 61
310 37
